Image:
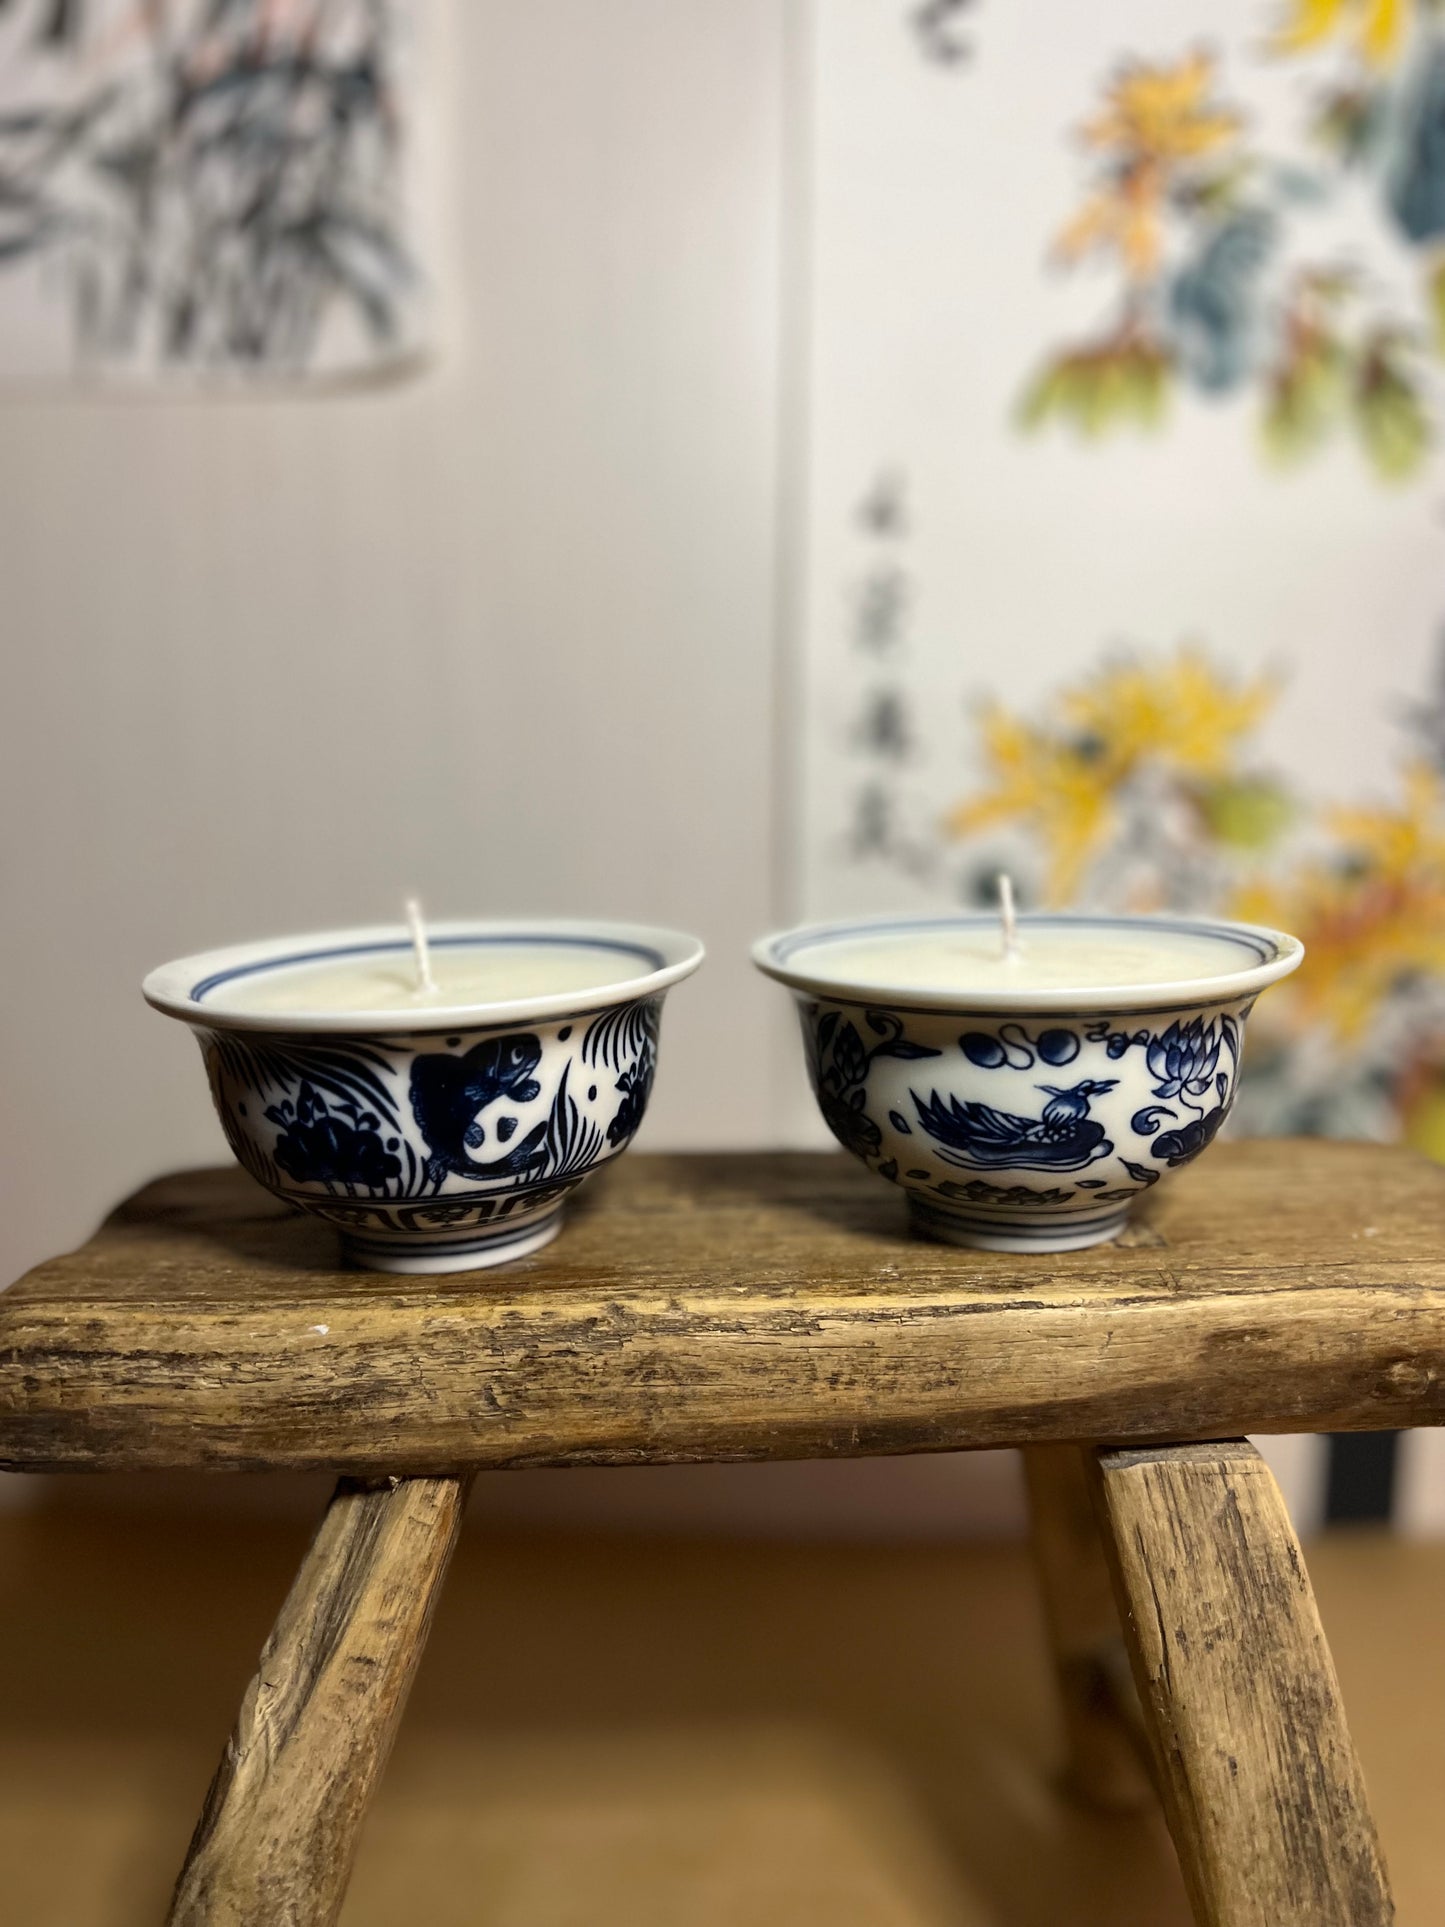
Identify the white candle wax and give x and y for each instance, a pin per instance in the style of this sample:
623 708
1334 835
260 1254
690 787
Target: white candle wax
461 974
1047 956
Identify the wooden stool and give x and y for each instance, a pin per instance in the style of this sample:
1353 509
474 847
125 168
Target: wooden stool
773 1306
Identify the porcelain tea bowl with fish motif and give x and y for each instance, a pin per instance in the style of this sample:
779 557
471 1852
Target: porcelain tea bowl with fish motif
438 1128
1026 1101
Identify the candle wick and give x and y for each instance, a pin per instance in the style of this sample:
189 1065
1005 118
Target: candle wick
1007 917
421 950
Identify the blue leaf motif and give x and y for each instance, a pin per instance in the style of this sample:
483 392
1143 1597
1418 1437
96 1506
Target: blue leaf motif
1140 1173
840 1064
1215 300
1416 189
1177 1147
850 1060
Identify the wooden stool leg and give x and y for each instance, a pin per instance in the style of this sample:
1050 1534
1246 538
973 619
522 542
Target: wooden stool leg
1257 1770
1106 1747
280 1826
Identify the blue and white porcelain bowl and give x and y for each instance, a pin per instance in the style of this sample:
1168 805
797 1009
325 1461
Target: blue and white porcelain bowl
443 1138
1018 1119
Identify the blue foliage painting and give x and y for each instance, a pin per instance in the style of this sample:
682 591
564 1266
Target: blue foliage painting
338 1122
375 1120
624 1041
839 1061
570 1140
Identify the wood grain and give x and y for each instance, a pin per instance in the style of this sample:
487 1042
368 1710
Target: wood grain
1260 1780
1106 1761
731 1307
279 1830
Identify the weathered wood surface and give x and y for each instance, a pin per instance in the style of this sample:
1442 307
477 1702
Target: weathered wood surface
1259 1775
279 1831
747 1306
1106 1748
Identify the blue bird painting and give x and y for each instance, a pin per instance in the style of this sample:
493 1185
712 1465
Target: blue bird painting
1064 1138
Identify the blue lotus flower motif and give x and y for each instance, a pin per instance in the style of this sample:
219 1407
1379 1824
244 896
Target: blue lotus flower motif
1184 1059
318 1146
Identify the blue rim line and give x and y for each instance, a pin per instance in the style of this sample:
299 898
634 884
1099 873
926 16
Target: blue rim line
405 1039
1011 1014
820 937
654 959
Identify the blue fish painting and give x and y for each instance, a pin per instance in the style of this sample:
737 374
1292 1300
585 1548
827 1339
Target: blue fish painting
1064 1138
448 1095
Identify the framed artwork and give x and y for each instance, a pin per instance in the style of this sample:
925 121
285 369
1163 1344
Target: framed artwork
202 191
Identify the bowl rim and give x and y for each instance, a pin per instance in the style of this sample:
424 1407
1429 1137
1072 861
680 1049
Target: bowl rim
1279 953
186 987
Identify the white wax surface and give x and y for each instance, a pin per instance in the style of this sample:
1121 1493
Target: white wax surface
1048 957
486 974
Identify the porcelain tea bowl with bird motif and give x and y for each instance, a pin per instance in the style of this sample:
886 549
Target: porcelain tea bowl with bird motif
1025 1095
438 1121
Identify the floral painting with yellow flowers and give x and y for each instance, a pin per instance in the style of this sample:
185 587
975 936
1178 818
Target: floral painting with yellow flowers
1139 787
1124 517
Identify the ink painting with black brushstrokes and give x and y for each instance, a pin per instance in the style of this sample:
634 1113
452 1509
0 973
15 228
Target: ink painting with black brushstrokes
203 191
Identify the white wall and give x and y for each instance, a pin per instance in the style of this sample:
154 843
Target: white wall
503 635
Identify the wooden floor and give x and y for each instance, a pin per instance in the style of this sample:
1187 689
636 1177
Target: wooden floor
662 1735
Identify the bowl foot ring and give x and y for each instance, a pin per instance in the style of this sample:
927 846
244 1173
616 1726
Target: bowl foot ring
981 1232
474 1250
